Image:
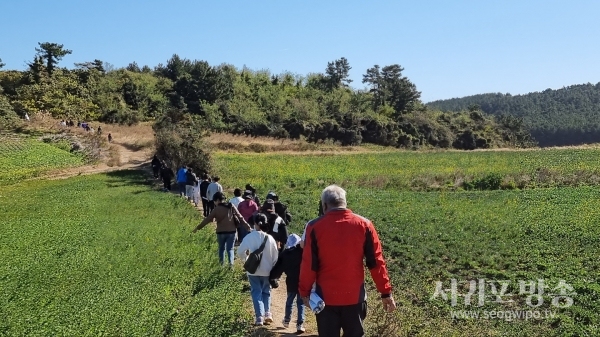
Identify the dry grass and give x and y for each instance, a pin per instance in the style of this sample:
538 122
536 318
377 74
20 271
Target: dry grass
242 144
114 157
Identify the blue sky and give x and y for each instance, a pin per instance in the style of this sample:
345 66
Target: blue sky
448 48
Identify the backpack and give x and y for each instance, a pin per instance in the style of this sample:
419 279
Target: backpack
253 260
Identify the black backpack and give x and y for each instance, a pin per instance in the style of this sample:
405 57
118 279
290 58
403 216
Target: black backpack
253 260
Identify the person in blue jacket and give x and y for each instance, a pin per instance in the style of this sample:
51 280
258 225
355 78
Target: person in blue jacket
182 179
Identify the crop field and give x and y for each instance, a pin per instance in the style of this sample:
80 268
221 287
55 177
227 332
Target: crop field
106 255
513 237
409 170
28 158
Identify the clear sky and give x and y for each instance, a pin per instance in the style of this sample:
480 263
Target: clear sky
448 48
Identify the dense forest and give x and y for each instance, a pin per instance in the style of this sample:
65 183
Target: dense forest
316 107
567 116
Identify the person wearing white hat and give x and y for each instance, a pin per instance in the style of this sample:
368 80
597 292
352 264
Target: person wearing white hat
289 263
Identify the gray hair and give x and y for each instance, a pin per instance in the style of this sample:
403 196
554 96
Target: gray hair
334 196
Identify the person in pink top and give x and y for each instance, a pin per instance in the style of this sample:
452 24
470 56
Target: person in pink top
246 208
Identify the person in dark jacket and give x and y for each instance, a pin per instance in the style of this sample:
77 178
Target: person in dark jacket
190 181
254 195
289 263
167 175
203 187
280 208
155 166
277 226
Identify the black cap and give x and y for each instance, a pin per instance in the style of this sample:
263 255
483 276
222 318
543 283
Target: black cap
218 196
268 206
247 194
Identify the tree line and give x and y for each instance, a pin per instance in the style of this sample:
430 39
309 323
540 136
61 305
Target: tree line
318 107
567 116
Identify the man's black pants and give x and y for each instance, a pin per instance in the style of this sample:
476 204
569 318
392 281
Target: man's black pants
347 317
211 206
205 210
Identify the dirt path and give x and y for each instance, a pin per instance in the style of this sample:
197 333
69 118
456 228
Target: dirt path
278 299
125 152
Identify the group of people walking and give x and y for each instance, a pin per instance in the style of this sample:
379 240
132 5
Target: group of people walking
326 261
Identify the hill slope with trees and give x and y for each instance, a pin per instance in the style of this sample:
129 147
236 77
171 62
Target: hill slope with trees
567 116
318 107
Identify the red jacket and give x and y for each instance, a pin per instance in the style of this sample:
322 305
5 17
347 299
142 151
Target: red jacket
335 247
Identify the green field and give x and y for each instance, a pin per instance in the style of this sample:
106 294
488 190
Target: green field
409 170
517 235
107 255
22 158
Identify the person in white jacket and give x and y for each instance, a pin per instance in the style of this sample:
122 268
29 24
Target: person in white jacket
260 288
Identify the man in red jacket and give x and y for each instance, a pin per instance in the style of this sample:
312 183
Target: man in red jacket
335 247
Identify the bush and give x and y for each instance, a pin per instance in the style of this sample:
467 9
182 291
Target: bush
491 181
180 140
8 117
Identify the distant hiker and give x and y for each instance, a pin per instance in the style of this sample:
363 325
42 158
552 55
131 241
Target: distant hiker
237 197
247 209
277 227
254 195
167 175
213 188
78 124
155 165
181 180
280 208
226 216
99 130
190 182
27 117
203 187
260 288
336 246
110 139
289 263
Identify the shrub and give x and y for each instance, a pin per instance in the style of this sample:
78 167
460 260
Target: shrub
180 140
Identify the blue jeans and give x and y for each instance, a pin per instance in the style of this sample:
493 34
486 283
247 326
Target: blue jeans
260 290
290 303
226 242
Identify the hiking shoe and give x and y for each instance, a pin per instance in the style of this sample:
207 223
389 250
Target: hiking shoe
286 324
300 328
259 322
268 318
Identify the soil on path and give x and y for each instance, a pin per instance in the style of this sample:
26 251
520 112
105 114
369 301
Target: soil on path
128 150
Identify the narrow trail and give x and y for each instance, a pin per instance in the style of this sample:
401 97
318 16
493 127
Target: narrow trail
129 157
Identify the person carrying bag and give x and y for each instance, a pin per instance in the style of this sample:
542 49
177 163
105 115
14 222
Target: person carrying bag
259 250
253 260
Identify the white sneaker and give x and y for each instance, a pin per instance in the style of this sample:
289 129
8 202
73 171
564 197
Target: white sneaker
268 318
259 322
300 328
286 324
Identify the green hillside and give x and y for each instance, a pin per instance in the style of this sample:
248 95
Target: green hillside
567 116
